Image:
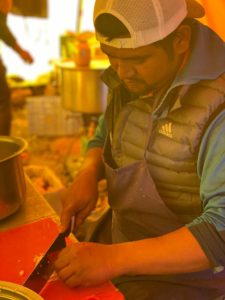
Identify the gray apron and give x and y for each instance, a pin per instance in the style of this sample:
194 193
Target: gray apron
138 212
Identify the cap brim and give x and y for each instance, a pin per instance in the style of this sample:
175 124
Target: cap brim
195 9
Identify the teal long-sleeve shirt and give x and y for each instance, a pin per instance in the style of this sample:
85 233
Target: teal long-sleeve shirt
209 228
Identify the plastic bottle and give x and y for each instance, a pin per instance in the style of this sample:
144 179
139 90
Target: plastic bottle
82 53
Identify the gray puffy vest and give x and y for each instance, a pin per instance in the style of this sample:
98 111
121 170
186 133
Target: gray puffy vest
172 149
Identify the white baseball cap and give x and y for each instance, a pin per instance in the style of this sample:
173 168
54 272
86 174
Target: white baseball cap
147 21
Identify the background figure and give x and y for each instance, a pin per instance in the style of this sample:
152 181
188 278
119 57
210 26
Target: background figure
7 37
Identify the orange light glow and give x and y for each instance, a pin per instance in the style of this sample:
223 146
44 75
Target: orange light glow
215 15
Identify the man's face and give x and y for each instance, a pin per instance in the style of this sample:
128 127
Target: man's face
143 70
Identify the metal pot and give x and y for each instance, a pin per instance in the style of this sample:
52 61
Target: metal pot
81 87
9 290
12 180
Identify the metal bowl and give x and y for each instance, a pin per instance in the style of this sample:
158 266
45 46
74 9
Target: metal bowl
12 291
12 180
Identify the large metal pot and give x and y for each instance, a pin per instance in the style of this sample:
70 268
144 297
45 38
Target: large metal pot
81 87
12 180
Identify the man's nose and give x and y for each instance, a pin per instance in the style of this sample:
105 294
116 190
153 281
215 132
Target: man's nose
125 70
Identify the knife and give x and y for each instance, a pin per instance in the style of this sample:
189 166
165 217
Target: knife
44 269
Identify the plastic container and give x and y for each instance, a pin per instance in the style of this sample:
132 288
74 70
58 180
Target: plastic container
46 117
82 53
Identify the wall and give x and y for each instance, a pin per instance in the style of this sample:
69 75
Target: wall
41 36
215 15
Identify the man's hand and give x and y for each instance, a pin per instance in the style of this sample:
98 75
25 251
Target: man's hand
85 264
80 199
90 263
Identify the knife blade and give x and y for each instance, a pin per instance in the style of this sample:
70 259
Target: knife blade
45 267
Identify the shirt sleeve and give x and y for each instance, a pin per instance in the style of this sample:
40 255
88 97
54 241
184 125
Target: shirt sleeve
100 134
209 228
5 34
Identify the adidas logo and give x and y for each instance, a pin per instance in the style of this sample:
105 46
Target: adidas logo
166 130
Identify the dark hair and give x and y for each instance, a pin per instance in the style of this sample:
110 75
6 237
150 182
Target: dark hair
167 42
111 27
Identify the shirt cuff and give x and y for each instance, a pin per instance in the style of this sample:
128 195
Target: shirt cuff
212 242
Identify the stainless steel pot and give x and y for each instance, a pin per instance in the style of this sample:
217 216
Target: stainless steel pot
13 291
81 87
12 180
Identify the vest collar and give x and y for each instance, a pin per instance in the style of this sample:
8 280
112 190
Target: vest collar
211 63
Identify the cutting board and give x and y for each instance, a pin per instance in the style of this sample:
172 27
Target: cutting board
22 248
56 289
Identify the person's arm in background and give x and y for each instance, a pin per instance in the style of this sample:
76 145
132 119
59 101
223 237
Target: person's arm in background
8 38
81 197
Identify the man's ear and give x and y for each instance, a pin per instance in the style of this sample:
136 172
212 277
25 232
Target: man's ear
182 39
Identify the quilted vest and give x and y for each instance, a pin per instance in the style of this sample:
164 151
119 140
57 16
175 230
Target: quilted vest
173 146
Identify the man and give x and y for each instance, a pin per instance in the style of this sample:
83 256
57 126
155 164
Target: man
162 140
7 37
